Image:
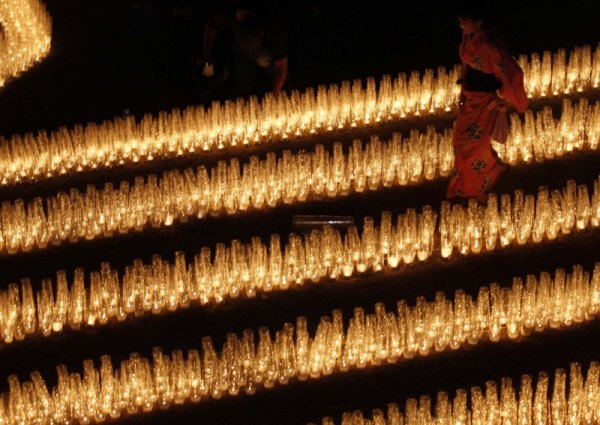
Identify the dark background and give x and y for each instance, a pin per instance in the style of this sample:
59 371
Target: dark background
112 55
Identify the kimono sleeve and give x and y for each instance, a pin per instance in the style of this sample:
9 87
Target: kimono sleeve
510 75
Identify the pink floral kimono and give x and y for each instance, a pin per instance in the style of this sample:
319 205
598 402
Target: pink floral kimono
489 71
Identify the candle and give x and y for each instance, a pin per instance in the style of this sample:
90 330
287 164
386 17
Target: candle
140 384
243 268
533 401
26 36
243 122
231 187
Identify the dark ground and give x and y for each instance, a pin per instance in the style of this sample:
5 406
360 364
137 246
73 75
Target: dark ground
112 55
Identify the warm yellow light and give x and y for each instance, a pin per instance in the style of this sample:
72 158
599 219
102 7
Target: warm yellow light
243 269
266 182
245 363
25 35
529 403
249 121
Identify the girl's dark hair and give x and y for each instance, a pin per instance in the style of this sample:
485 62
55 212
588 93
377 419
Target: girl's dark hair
487 14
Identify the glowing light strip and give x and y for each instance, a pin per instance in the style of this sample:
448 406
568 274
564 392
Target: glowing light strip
540 402
248 121
25 36
244 269
539 137
266 183
141 384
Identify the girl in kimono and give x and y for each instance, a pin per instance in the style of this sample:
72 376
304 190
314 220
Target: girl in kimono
491 79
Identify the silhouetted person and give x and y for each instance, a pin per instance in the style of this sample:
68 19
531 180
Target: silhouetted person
255 33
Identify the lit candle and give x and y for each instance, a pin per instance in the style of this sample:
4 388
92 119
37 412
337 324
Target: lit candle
140 384
547 403
250 121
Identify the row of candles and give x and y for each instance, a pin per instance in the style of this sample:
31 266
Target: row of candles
264 183
243 269
249 121
551 74
538 136
140 384
25 37
571 398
